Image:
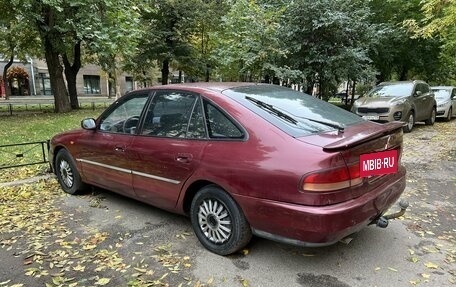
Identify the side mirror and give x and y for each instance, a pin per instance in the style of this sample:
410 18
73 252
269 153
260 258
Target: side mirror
88 124
418 93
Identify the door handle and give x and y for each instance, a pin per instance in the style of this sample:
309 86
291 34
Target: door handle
184 157
119 148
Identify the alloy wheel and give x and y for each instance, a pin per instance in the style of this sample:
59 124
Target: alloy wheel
410 122
215 221
66 173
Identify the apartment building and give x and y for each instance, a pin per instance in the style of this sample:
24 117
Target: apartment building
31 78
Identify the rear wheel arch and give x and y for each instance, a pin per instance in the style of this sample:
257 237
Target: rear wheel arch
191 191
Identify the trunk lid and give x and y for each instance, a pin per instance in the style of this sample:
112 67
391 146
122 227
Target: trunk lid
363 139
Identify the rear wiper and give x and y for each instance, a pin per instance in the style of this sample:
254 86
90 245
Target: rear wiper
283 115
271 109
339 128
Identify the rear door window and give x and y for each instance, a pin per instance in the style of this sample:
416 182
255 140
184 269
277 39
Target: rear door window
219 125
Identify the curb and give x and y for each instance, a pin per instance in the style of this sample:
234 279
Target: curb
26 181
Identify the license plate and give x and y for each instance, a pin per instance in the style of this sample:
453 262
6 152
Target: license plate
378 163
371 118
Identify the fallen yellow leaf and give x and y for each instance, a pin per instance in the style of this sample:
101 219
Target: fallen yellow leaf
245 283
102 281
431 265
424 275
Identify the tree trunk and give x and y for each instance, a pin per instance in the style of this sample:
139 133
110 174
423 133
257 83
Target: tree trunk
353 92
117 83
58 87
208 72
165 71
403 73
111 85
71 72
5 76
48 34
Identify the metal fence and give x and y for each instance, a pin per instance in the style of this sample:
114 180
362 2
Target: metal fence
23 154
12 107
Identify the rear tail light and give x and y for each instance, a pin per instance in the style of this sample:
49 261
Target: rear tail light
332 179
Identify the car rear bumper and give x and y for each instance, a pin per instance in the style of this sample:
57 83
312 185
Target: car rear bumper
320 225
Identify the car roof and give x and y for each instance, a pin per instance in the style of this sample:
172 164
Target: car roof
213 86
401 82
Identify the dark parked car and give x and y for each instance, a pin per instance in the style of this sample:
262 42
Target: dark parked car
239 159
405 101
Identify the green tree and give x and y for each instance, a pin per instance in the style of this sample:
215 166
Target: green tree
209 20
167 29
400 55
438 22
329 41
67 28
16 39
113 37
247 46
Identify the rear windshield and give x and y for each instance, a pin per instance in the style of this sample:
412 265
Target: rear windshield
395 90
294 112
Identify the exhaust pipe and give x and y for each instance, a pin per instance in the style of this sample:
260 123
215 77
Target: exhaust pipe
382 221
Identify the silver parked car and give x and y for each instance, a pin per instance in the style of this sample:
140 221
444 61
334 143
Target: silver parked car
405 101
446 101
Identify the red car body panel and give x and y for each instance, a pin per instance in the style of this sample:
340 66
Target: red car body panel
262 172
320 225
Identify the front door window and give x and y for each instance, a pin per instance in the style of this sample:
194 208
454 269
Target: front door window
125 117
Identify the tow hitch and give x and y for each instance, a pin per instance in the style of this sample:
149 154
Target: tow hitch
382 221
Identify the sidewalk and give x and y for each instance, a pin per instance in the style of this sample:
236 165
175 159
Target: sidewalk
50 99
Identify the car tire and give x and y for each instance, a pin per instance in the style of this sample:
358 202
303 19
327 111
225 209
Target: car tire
450 113
218 221
431 119
67 173
410 122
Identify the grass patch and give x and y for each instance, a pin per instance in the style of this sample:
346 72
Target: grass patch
26 128
40 126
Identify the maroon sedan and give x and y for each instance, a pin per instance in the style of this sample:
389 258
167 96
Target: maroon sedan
239 159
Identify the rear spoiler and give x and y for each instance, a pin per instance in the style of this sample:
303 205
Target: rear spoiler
364 136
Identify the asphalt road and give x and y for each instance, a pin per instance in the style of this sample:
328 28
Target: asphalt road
139 245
